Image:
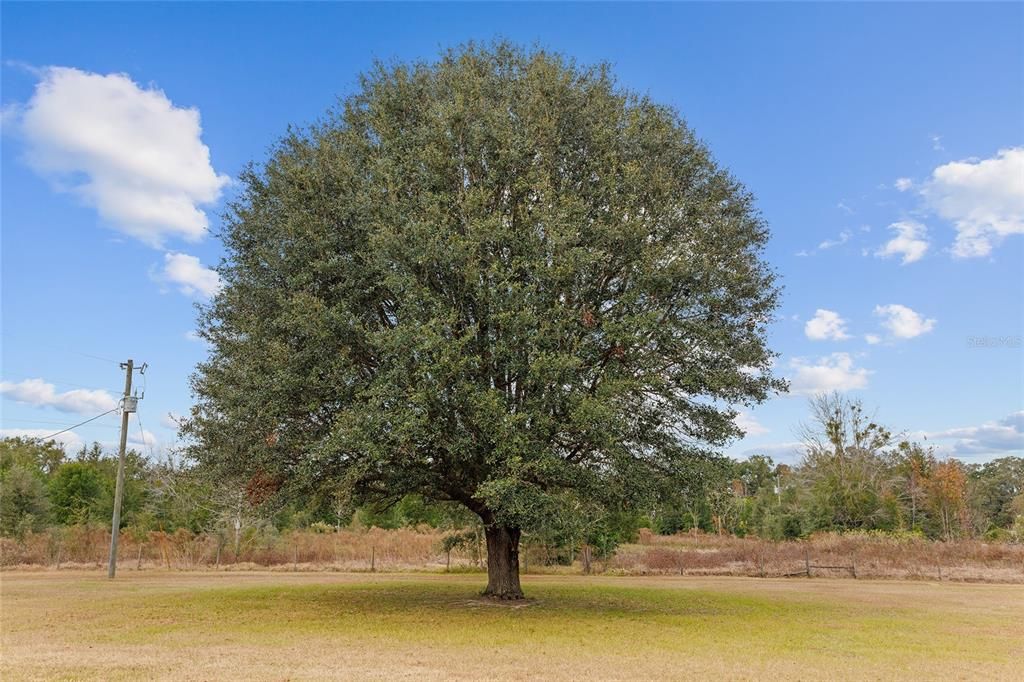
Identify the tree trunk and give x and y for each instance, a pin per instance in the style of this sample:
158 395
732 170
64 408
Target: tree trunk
503 563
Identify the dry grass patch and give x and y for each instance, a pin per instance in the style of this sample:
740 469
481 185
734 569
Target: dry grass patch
310 626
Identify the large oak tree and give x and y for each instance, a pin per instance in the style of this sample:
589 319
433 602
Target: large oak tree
499 279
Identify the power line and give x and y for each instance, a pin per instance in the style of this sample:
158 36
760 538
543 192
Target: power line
44 438
61 382
96 357
145 440
67 349
49 423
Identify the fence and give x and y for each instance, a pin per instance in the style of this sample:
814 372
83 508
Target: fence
852 555
375 549
370 549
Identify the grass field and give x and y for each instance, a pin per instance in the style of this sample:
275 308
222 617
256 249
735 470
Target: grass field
151 625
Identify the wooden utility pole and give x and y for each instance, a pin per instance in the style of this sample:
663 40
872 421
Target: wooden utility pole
115 526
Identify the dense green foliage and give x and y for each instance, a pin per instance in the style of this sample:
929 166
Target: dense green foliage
912 491
857 475
498 280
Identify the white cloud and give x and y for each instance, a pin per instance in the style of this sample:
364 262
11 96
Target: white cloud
937 143
911 242
873 339
10 114
1002 436
749 424
69 440
844 237
189 275
143 437
43 394
779 452
835 372
983 199
126 150
903 322
825 325
903 184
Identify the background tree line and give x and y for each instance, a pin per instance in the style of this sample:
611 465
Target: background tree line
855 475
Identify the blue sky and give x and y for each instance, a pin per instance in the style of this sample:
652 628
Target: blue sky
884 142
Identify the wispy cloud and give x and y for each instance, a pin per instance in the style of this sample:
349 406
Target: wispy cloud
189 275
910 242
903 322
789 452
69 440
844 237
749 424
903 184
835 372
42 394
826 325
1003 436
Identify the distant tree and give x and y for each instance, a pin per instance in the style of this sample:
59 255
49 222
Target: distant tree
780 508
1017 512
24 467
754 473
913 465
992 487
845 466
453 541
499 280
76 491
42 459
193 499
686 494
23 502
947 497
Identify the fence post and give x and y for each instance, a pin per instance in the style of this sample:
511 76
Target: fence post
373 559
807 561
853 567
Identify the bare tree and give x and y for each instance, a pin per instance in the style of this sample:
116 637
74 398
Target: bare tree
845 465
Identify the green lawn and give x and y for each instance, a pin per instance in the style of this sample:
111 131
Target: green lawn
307 626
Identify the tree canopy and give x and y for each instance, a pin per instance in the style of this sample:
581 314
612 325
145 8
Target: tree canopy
499 279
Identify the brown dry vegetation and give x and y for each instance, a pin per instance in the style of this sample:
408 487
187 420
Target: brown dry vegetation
398 549
861 555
